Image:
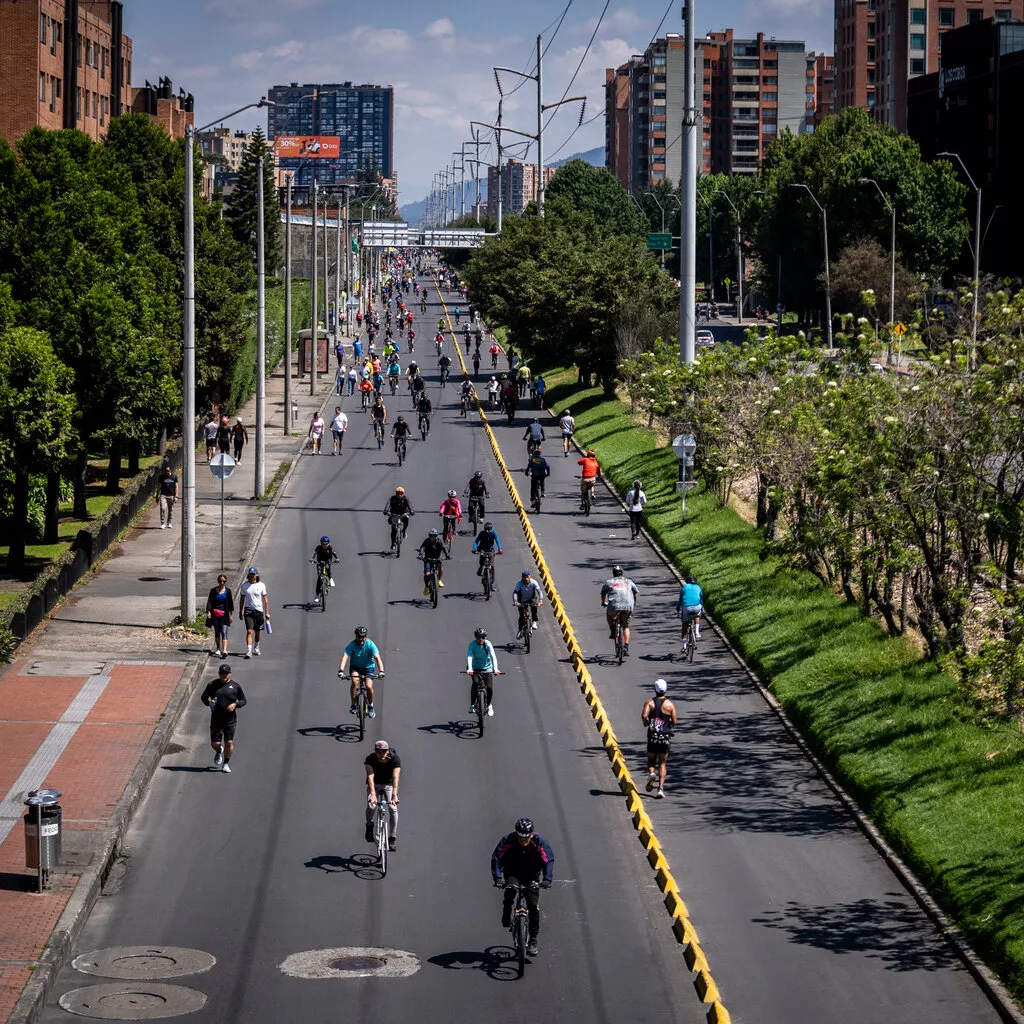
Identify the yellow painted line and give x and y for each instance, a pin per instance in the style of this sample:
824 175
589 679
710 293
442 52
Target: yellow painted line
682 926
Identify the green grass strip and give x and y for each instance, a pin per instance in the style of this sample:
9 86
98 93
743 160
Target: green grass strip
945 791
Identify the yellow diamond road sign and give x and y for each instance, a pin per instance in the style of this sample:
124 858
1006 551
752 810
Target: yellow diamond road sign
900 329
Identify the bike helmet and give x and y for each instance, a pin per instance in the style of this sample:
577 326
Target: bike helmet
360 632
690 579
478 473
480 633
524 828
399 490
401 419
488 526
433 533
617 570
452 494
535 420
660 686
325 539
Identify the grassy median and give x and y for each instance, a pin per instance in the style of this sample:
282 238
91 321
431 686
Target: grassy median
945 790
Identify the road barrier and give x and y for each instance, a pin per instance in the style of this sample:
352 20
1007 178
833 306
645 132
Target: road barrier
682 926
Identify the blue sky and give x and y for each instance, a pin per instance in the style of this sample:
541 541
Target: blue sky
438 56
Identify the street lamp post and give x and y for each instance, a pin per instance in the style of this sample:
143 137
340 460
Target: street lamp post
977 255
739 256
711 248
662 209
288 310
828 279
892 260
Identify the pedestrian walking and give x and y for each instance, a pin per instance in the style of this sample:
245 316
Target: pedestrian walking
224 435
220 611
255 610
316 432
223 696
240 437
339 424
568 426
357 349
339 353
210 428
659 716
635 501
168 491
353 376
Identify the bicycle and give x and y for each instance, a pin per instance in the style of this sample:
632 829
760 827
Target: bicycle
444 375
378 433
430 570
424 425
400 449
620 643
520 926
526 625
323 584
393 383
476 513
689 635
362 700
448 531
587 498
492 401
382 828
464 405
494 360
487 575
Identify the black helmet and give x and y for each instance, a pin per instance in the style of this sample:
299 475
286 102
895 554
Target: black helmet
617 571
478 473
690 579
360 632
488 526
524 827
480 633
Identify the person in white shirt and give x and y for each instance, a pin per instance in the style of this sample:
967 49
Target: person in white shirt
353 376
255 610
568 425
635 501
316 432
339 424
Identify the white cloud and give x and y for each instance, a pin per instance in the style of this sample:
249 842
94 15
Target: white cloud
443 27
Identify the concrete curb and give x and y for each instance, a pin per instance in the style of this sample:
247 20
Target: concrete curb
87 890
997 993
682 926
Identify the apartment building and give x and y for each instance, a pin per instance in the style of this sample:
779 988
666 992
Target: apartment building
882 44
363 116
518 186
824 88
173 112
224 147
67 64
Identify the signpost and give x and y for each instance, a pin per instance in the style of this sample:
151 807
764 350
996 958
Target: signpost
899 330
222 465
657 240
684 447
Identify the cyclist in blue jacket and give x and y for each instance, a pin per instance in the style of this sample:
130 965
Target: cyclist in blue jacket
691 604
486 544
523 856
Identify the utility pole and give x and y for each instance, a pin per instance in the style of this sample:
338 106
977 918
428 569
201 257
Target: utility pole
314 298
739 254
476 173
540 133
261 337
500 175
337 280
188 418
688 203
288 310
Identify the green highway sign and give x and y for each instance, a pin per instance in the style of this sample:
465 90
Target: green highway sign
659 241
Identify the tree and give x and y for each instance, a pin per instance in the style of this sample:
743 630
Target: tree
860 282
241 209
595 190
35 420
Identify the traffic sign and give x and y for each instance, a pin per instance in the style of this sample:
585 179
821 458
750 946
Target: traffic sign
780 308
899 330
222 465
657 240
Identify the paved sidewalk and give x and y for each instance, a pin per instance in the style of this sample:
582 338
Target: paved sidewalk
95 692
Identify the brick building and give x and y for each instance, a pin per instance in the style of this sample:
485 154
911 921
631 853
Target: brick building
882 44
66 64
824 88
518 186
173 112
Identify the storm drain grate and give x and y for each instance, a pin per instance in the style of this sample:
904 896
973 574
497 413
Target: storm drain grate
357 963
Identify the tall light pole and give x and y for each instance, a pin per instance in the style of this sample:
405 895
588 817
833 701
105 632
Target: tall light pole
977 255
540 130
188 376
688 201
739 255
828 278
288 309
261 340
892 260
314 299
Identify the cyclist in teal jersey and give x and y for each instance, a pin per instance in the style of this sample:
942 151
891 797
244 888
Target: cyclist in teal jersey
364 658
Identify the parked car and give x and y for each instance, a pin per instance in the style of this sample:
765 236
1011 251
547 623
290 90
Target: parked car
705 339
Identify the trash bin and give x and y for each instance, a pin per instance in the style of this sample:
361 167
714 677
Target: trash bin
43 829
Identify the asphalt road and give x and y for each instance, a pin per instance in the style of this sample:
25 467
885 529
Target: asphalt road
270 861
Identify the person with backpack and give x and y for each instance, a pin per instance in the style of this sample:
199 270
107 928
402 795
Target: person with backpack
240 437
659 717
635 501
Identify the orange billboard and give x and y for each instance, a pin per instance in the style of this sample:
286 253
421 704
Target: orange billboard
307 146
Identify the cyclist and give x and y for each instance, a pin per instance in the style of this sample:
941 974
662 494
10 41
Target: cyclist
399 505
493 393
323 554
411 372
523 856
410 336
379 414
366 663
510 399
444 364
419 389
365 391
476 489
588 475
378 381
394 373
495 351
439 342
383 769
659 715
487 543
451 508
538 470
458 314
568 426
481 660
466 393
690 605
534 436
619 595
527 597
465 334
400 429
432 550
426 407
440 325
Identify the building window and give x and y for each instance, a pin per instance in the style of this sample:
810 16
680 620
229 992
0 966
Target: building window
871 57
58 88
1001 15
78 103
770 97
917 66
974 17
42 86
947 17
766 80
918 16
53 94
917 40
871 35
42 28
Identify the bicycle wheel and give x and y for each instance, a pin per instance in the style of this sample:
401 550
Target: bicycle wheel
620 645
382 837
481 705
691 647
527 631
398 541
380 438
522 937
401 452
433 589
325 585
361 710
486 577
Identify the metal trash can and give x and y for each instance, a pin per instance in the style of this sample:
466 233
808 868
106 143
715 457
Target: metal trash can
43 831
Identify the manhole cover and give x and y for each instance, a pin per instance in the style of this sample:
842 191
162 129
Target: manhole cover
144 962
357 963
132 1001
351 962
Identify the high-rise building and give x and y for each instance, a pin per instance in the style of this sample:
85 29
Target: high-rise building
882 44
224 148
749 90
66 64
518 186
363 116
824 88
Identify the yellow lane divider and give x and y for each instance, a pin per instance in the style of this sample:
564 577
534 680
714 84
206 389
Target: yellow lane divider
682 926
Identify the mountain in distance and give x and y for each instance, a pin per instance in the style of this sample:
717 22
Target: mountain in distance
413 213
